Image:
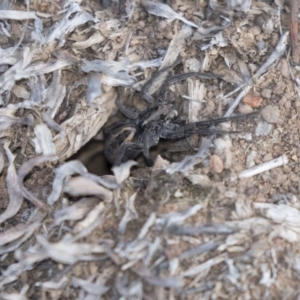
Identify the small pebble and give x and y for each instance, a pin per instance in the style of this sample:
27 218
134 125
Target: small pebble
250 159
266 93
245 109
253 101
294 158
178 194
268 26
259 21
199 180
261 45
267 157
271 114
216 164
255 30
135 41
162 26
253 68
284 68
260 198
263 128
142 24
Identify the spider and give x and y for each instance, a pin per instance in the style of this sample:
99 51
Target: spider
143 129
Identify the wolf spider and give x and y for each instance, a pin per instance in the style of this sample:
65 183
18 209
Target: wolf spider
143 129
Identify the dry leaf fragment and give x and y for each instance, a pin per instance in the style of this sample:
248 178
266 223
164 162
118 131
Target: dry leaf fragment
122 171
80 186
6 121
73 18
130 213
54 285
165 11
75 212
67 252
287 218
96 38
13 188
52 124
114 73
200 268
61 173
199 179
94 289
55 93
91 221
188 163
16 232
13 238
37 88
176 218
43 141
94 89
168 282
154 63
243 5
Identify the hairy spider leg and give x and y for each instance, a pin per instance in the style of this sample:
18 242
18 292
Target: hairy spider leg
174 131
117 137
151 136
130 114
185 132
225 119
134 114
115 126
177 78
132 150
145 89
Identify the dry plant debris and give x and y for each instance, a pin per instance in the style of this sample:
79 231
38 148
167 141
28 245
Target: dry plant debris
194 226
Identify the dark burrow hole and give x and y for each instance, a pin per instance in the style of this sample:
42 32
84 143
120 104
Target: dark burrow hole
92 156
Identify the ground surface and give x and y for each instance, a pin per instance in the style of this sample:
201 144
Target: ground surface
200 233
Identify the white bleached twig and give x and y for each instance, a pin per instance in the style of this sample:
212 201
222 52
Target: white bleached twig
274 163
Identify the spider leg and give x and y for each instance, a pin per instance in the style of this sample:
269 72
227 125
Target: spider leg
151 137
147 156
178 132
128 113
107 130
176 78
225 119
127 151
175 131
200 127
145 90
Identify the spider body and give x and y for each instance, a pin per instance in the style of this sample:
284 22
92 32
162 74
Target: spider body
128 139
142 130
